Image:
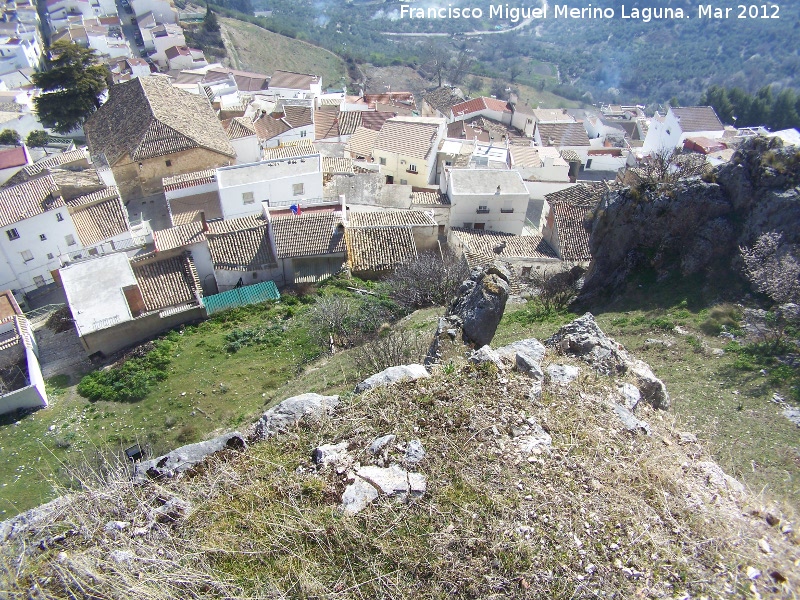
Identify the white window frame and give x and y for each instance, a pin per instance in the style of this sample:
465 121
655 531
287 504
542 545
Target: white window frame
12 234
70 239
382 161
27 255
298 189
248 198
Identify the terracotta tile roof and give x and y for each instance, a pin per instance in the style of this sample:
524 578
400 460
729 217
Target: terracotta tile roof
442 99
525 156
239 127
331 101
57 160
389 218
552 115
268 127
308 235
403 99
28 199
697 118
149 117
298 116
433 198
486 130
379 248
188 208
177 237
98 216
331 123
482 247
374 120
241 244
570 156
563 134
414 140
292 81
582 194
332 164
187 180
479 104
291 150
573 231
362 142
167 282
13 157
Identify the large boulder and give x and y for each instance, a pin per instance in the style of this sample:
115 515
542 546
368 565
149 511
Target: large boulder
291 411
393 375
184 458
583 338
480 303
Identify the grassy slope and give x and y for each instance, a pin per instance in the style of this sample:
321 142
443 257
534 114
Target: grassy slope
261 51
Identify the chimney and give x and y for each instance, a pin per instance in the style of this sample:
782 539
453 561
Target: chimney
203 220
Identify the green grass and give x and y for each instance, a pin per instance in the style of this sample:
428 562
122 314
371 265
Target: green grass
261 51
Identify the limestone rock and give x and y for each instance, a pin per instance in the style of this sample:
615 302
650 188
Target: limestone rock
485 354
535 439
630 422
414 452
562 374
371 482
480 303
172 510
652 388
630 395
529 366
293 410
531 347
393 375
718 478
184 458
328 454
377 445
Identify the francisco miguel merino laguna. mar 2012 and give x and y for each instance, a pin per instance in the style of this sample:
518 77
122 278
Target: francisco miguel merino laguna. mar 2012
564 11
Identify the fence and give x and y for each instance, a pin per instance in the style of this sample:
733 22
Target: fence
251 294
42 313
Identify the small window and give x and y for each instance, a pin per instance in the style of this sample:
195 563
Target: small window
12 234
404 182
39 281
27 255
42 237
303 133
50 256
255 275
467 225
298 189
93 252
589 164
70 239
383 161
480 226
412 168
447 163
168 163
526 271
248 198
59 217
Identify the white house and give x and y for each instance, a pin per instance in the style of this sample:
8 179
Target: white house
16 53
244 139
486 199
671 130
405 149
563 135
287 84
286 125
18 347
539 163
163 11
60 10
183 57
161 38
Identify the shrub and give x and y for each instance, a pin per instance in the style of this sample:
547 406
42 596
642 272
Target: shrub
430 280
261 335
555 291
339 321
390 349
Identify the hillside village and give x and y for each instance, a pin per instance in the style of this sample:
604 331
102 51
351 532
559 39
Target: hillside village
197 179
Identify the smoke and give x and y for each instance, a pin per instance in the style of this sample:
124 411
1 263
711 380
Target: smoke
393 15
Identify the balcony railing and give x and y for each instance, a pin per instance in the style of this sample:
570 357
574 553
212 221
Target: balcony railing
482 211
304 202
506 210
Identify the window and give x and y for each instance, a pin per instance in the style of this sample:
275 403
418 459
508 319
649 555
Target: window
39 281
467 225
42 237
168 163
93 252
483 209
480 226
70 239
248 198
50 256
441 229
412 168
404 182
303 134
383 161
59 217
589 164
12 234
255 275
447 163
526 271
27 255
298 189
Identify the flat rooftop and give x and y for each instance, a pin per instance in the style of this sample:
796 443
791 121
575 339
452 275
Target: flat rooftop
485 181
267 170
94 291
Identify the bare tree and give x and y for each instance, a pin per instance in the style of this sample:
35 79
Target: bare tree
430 280
438 60
474 84
514 70
667 165
390 349
773 268
461 66
556 290
342 322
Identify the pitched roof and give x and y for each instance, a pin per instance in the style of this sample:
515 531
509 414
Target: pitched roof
373 119
442 99
697 118
582 194
432 198
187 209
573 231
332 164
362 142
292 81
563 134
389 218
379 248
13 157
482 247
291 150
525 156
239 127
177 237
245 80
98 216
241 244
482 128
167 282
402 99
148 117
28 199
410 139
330 123
57 160
298 116
308 234
268 127
552 115
187 180
478 104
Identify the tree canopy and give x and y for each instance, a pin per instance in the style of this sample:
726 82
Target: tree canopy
37 139
9 137
72 86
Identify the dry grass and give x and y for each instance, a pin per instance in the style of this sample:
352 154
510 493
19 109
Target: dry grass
604 513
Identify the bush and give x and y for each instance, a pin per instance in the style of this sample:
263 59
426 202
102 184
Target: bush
430 280
390 349
555 291
131 381
9 137
724 317
262 335
339 321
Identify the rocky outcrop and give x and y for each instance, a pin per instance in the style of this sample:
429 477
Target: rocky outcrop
393 375
291 411
584 339
480 303
186 457
696 225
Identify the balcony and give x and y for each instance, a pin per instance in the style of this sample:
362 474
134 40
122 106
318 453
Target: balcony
482 211
412 171
506 210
